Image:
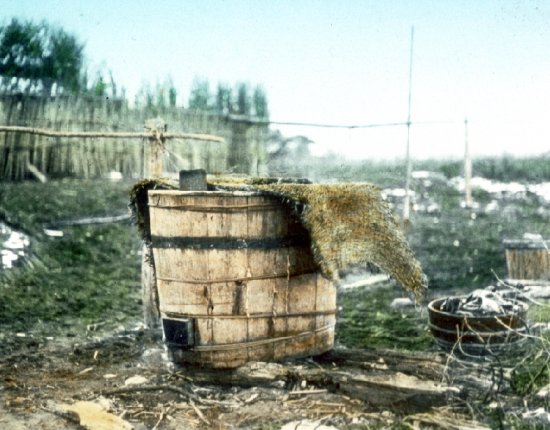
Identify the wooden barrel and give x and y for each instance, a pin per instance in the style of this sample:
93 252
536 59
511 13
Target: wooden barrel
476 335
528 259
236 279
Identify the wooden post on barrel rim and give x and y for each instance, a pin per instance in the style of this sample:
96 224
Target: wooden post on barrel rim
155 166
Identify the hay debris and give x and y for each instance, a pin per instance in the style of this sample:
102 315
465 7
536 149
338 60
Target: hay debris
138 203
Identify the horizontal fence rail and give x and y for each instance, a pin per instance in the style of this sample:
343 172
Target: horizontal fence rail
126 135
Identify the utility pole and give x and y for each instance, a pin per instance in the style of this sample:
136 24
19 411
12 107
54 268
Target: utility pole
407 202
468 201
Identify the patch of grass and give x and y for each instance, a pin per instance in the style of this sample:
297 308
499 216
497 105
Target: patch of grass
539 313
31 206
367 321
533 372
90 274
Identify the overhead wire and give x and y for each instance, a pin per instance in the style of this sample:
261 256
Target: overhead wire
238 118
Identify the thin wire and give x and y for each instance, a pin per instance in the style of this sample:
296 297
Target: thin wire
344 126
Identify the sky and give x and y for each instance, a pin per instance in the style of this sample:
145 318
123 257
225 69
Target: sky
340 62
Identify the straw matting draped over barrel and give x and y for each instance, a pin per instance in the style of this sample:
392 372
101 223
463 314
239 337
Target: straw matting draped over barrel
349 225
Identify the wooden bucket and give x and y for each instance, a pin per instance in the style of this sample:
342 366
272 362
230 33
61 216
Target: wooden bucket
528 259
476 335
236 279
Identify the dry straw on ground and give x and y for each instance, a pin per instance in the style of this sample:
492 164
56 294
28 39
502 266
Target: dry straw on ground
349 225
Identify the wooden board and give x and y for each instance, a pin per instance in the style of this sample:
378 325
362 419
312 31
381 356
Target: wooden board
528 258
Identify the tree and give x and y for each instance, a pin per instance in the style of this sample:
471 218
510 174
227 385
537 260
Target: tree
38 58
243 101
223 100
242 104
259 101
172 96
200 95
99 87
114 88
161 96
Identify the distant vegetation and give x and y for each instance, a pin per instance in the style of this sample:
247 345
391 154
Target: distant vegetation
392 173
41 59
508 168
505 168
241 99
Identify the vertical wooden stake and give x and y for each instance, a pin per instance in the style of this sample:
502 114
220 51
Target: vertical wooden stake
151 311
156 148
155 158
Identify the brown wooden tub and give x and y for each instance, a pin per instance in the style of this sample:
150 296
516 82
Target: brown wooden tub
478 335
236 279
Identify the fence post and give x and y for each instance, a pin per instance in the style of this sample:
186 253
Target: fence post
156 146
155 166
239 156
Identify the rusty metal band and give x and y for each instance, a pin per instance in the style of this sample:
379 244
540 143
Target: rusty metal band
221 209
237 346
246 317
228 243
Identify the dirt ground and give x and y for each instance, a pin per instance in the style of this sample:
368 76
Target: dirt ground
127 376
54 382
40 376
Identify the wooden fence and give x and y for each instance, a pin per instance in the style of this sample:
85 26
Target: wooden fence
243 150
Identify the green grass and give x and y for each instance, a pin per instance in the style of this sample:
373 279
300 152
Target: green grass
91 274
367 321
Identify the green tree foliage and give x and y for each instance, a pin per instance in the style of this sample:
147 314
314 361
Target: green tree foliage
172 96
40 59
223 99
242 101
158 98
114 88
169 93
99 87
200 95
145 97
259 102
